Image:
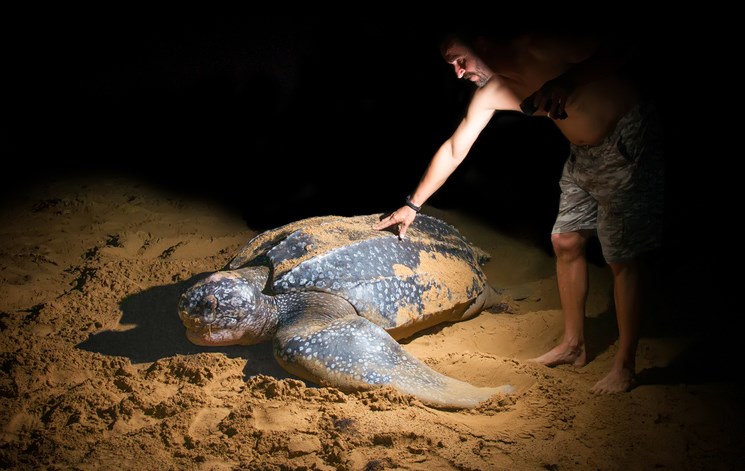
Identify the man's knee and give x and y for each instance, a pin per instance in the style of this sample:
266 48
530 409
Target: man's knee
568 243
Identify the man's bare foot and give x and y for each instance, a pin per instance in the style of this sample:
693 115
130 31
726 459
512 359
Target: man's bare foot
621 380
563 354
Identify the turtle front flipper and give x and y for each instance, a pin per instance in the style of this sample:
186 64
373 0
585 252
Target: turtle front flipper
324 341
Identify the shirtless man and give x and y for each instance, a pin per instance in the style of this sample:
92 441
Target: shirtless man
611 184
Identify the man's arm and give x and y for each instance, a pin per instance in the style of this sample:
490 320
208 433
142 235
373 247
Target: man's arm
485 102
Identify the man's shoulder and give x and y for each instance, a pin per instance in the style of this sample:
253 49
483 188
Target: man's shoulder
498 93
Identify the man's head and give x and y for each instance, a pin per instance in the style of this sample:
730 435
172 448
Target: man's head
467 65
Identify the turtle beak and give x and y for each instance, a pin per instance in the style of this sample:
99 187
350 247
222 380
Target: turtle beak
199 326
209 308
202 315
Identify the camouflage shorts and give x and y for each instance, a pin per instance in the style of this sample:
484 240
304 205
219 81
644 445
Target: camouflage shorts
617 187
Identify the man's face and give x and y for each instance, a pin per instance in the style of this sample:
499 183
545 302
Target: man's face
467 65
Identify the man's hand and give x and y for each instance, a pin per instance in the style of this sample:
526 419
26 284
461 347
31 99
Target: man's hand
403 216
551 98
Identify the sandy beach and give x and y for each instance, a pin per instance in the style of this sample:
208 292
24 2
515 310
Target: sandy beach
97 372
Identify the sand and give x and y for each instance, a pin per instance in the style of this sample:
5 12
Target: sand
97 372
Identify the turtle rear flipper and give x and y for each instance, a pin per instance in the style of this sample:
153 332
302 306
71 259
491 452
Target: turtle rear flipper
327 343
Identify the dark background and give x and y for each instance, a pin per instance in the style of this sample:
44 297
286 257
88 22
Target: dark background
289 117
281 117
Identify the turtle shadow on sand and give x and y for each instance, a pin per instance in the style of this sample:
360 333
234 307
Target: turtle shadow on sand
151 330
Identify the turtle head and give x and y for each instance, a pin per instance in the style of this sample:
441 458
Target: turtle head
229 308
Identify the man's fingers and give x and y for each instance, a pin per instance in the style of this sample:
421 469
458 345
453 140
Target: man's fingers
387 222
402 231
399 219
554 111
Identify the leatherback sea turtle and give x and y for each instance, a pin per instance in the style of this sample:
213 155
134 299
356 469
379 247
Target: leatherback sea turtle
334 295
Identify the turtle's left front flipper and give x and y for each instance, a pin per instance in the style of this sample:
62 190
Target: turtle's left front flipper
326 342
